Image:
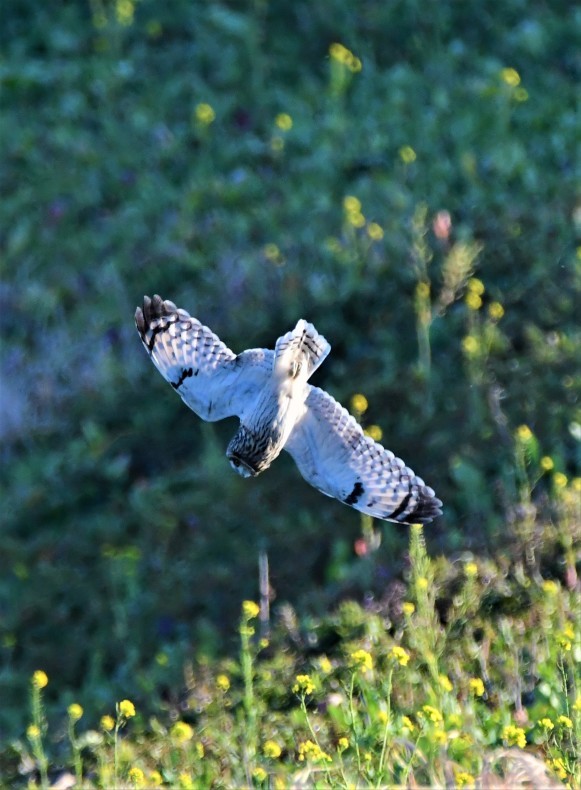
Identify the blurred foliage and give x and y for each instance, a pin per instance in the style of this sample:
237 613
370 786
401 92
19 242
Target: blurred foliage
145 150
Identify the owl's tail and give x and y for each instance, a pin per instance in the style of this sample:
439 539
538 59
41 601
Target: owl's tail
300 351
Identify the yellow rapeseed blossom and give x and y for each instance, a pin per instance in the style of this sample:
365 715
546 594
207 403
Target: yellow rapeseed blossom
205 113
547 463
576 484
375 231
311 751
33 732
362 660
407 154
250 610
181 732
304 684
40 679
359 403
510 76
107 723
200 751
374 432
351 204
342 744
475 286
440 736
136 777
430 713
514 736
546 724
495 311
471 569
470 345
423 289
325 665
223 682
476 686
155 779
126 709
445 682
560 480
185 781
382 717
422 583
272 749
464 779
473 301
124 11
259 774
565 721
558 766
408 608
550 587
356 218
272 253
407 724
75 711
399 655
284 121
344 56
523 433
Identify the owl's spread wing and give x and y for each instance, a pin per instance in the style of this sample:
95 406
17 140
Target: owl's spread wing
334 455
212 380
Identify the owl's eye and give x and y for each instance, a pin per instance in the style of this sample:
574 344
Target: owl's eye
235 461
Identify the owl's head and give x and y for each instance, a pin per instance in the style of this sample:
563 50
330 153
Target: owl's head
244 453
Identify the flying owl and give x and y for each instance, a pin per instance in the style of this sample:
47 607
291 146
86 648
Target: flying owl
278 409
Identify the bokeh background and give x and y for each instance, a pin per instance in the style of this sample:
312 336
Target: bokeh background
401 174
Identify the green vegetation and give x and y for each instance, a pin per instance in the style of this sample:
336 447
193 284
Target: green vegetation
401 175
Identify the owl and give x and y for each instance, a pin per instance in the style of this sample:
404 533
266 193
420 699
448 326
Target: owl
269 392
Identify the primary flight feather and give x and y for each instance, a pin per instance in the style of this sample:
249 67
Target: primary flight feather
278 409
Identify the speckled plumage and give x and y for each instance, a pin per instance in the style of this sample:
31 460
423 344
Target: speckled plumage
279 409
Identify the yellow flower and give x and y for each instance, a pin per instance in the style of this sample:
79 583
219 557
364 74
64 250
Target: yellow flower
524 433
407 154
430 713
550 587
272 749
107 723
471 570
362 660
284 121
470 345
304 684
325 665
407 724
476 686
359 403
272 252
547 463
185 781
374 432
126 709
250 610
259 774
445 683
223 682
495 311
344 56
423 290
422 583
75 711
558 767
473 301
399 655
155 779
514 736
475 286
464 779
375 231
560 480
39 679
408 608
311 751
546 724
576 484
510 76
200 751
440 736
565 721
181 732
577 704
136 777
33 732
351 204
342 744
356 218
205 114
382 717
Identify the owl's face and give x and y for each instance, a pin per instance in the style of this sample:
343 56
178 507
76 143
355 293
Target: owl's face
240 466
